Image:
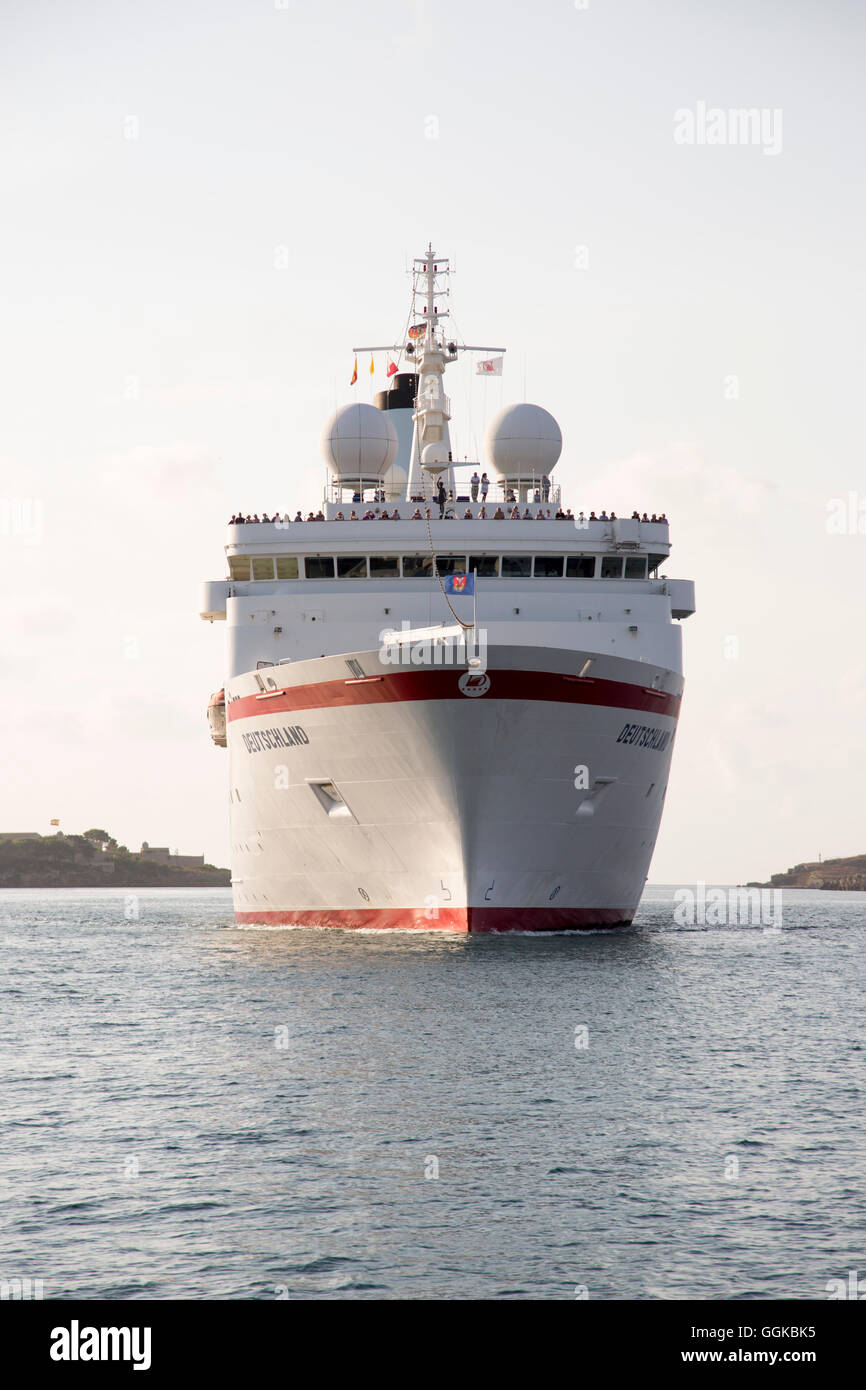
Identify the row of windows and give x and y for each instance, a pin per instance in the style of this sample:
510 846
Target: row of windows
421 566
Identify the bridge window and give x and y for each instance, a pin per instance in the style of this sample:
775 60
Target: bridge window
451 564
239 566
384 566
516 566
351 567
486 566
635 567
611 567
287 567
417 566
263 567
549 566
319 566
580 567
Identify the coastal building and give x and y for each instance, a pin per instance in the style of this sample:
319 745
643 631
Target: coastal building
163 855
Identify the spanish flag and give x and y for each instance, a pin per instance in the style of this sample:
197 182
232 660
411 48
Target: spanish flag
372 368
54 822
354 373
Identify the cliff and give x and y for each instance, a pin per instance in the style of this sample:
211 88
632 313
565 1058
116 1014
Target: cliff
831 874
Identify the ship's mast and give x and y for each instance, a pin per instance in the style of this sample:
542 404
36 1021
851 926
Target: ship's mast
430 271
428 352
431 445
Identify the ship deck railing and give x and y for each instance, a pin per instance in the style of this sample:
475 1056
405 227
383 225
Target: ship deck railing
526 494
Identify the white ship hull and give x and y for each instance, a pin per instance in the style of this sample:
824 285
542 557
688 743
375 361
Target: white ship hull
398 801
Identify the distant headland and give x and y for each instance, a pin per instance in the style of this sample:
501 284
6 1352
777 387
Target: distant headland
95 860
834 875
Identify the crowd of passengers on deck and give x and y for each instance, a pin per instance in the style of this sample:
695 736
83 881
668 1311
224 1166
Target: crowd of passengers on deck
511 513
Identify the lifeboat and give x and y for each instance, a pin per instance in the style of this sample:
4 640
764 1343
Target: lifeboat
216 718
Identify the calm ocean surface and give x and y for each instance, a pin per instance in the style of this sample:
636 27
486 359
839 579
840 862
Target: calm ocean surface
192 1110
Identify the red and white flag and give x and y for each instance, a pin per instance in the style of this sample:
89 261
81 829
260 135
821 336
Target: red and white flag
392 367
492 367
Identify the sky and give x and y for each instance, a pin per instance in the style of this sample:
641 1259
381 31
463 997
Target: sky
207 204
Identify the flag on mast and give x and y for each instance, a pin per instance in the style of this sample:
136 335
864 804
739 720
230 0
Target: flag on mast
491 367
391 369
459 583
54 822
354 373
372 368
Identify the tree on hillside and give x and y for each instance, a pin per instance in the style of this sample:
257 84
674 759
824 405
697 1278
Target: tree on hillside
101 837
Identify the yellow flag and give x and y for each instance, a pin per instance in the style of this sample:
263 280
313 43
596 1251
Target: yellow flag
372 368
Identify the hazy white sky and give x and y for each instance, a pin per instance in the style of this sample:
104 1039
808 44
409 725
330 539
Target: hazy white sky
207 202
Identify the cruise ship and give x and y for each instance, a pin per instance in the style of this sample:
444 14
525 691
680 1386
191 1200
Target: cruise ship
450 701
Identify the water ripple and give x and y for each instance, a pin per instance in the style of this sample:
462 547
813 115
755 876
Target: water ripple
200 1111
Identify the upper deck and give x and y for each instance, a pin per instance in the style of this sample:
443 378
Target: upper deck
400 514
626 548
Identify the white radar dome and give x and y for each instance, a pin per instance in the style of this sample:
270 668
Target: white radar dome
523 441
359 442
434 457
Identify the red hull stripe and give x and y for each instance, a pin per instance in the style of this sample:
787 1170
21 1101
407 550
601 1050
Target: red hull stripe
439 684
453 919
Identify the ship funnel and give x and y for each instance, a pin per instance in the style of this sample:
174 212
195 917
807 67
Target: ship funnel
399 402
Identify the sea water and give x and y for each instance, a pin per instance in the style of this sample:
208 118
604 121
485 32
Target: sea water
196 1110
